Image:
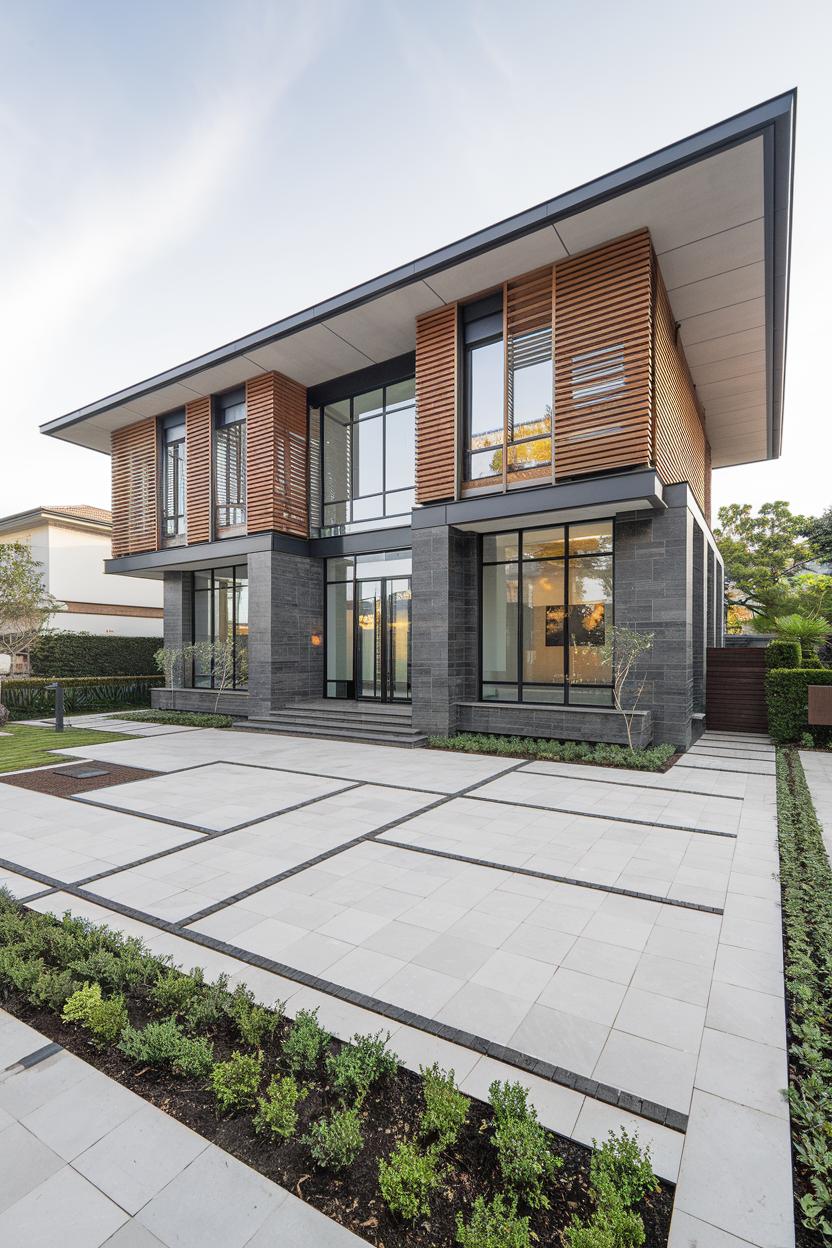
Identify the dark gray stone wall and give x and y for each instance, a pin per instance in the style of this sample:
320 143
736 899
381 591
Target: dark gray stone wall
698 619
568 723
286 629
444 666
712 605
653 593
231 702
178 603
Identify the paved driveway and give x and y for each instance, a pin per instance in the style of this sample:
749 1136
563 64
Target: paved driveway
612 936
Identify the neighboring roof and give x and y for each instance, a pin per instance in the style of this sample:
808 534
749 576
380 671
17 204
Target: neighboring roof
718 205
80 515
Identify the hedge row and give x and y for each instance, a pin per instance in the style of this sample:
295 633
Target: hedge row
783 654
29 697
88 654
787 698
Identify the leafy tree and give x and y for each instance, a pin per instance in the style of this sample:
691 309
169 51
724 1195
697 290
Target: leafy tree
820 535
622 650
25 606
765 557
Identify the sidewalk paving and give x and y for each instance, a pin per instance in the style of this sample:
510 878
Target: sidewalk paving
84 1162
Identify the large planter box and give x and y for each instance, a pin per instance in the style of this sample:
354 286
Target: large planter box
231 702
563 723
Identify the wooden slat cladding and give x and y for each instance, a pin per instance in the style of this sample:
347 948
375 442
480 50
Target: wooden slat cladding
528 301
277 455
682 451
436 404
603 374
135 505
198 470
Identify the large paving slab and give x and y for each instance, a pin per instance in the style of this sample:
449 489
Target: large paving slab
817 767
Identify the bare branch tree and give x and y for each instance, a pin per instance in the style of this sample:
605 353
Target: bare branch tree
622 650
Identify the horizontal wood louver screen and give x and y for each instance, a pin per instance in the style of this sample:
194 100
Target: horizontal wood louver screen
603 401
278 455
528 345
135 506
681 446
198 470
436 404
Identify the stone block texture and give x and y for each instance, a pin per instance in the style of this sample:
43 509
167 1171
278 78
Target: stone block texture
286 629
565 723
445 656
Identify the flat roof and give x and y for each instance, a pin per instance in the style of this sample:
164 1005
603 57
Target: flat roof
718 205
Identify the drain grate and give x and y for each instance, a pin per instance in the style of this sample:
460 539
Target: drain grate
89 773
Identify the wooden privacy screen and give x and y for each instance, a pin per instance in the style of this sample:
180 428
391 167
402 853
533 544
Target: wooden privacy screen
277 455
602 303
198 470
135 511
682 451
527 303
436 404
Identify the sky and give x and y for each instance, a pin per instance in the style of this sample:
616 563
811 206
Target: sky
173 176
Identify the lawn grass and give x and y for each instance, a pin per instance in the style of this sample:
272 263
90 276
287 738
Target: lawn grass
29 747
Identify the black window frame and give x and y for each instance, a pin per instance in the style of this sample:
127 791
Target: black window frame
232 571
520 684
166 425
221 419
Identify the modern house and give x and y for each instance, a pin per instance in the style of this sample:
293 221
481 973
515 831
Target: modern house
421 504
72 543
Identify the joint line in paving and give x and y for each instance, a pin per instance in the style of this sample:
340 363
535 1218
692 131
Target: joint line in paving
632 784
582 1084
556 879
594 814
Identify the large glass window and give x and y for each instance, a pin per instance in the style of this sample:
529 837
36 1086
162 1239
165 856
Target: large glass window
507 396
220 614
230 459
173 476
546 604
368 459
368 626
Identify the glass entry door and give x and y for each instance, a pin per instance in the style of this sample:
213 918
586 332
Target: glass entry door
382 639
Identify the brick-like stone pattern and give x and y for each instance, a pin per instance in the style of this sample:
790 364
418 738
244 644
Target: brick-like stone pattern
653 593
566 723
698 619
712 604
231 701
178 609
445 657
286 629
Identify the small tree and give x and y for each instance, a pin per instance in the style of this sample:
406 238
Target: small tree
171 661
808 631
25 605
219 658
622 650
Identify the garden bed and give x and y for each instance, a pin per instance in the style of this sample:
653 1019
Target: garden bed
539 749
66 781
389 1110
188 719
806 890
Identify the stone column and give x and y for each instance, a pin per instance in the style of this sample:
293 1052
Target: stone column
286 629
445 621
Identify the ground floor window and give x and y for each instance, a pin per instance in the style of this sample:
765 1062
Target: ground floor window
368 599
546 603
220 614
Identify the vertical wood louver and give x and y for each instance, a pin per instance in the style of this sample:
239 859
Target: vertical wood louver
135 500
198 470
603 372
682 451
278 455
436 404
527 306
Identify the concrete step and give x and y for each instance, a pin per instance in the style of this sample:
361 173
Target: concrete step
406 739
346 717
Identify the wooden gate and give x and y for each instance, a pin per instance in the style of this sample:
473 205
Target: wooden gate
735 689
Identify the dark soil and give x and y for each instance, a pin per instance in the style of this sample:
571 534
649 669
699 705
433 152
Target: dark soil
65 781
388 1115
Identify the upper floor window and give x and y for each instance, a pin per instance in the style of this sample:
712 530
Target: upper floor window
173 476
230 459
368 461
507 385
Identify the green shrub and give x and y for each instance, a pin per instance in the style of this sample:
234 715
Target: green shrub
305 1043
92 654
52 988
336 1141
613 1225
526 1161
237 1081
165 1044
493 1225
254 1023
209 1006
788 700
28 697
621 1165
407 1180
277 1112
174 990
783 654
105 1018
18 972
188 719
651 758
359 1065
446 1108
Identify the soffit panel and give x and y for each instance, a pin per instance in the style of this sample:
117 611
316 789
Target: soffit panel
493 267
310 356
721 290
386 327
718 253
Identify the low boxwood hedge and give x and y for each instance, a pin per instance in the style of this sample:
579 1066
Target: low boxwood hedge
787 699
783 654
29 697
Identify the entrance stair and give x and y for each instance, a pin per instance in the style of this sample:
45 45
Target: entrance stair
382 723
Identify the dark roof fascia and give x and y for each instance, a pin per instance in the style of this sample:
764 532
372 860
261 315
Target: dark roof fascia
706 142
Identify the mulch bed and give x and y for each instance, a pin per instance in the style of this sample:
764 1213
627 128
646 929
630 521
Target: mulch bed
578 762
65 781
388 1115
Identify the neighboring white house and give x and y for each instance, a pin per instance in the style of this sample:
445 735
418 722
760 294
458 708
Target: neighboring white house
71 544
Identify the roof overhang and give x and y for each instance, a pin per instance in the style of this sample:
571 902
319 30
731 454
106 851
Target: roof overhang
718 206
